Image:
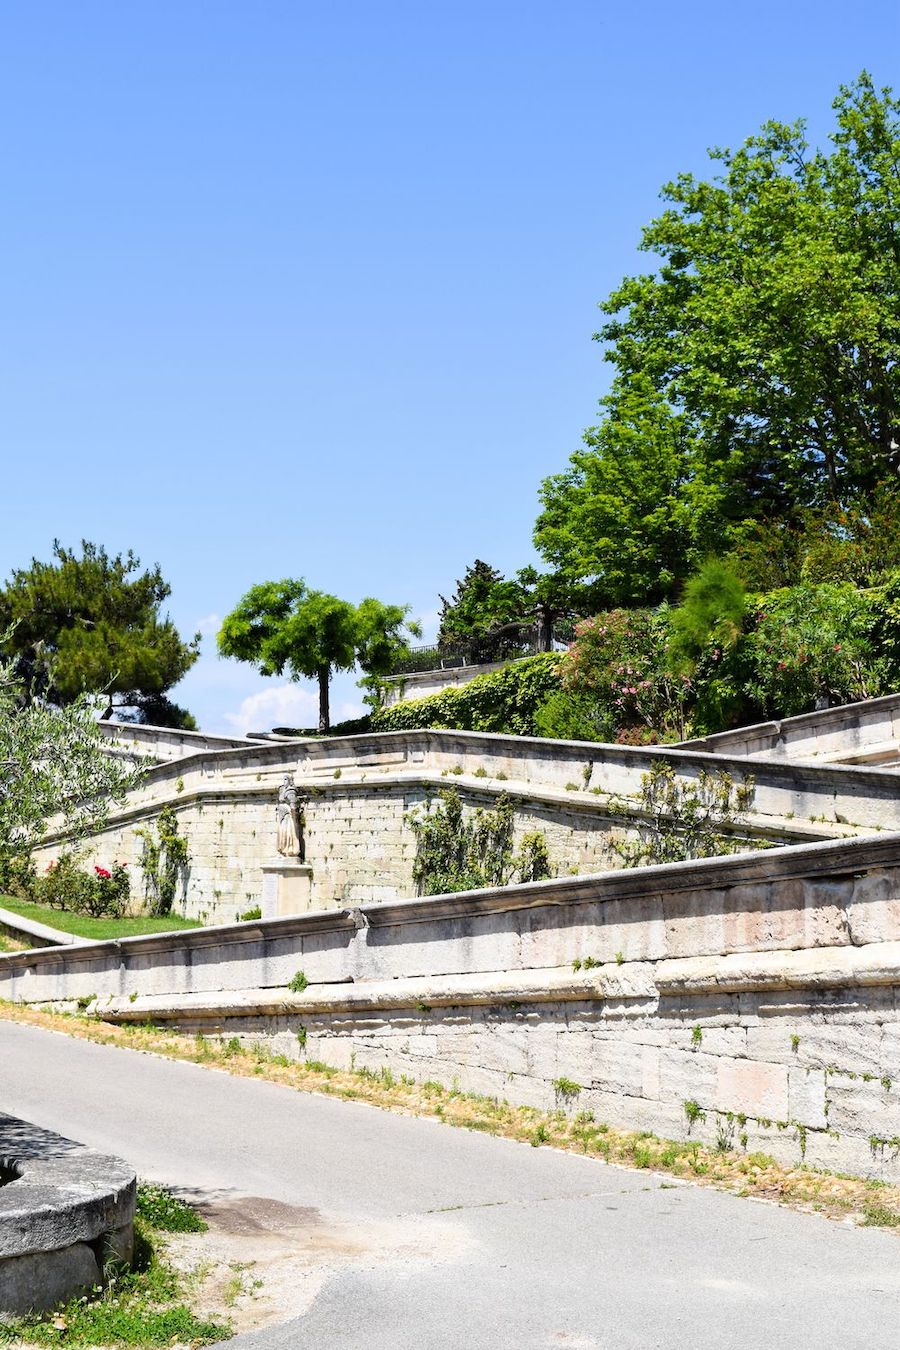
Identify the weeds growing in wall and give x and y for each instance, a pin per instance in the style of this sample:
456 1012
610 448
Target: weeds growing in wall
688 818
462 851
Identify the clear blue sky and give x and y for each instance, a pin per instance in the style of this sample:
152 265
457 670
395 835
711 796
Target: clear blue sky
307 290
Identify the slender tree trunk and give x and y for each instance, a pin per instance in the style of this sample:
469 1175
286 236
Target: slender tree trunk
324 679
545 630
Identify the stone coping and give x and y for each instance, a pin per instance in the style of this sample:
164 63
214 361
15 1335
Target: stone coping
778 729
831 859
64 1193
137 730
41 934
821 968
840 776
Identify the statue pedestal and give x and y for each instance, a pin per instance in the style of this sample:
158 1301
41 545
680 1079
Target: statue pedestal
286 888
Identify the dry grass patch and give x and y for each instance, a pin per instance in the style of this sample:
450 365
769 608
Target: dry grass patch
870 1203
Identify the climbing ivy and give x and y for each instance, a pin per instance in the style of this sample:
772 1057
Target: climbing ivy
504 701
460 851
164 861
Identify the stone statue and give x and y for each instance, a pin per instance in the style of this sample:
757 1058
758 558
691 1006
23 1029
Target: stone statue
289 815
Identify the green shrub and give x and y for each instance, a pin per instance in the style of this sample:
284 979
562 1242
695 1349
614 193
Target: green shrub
688 818
18 877
711 611
464 851
814 645
101 892
505 700
567 716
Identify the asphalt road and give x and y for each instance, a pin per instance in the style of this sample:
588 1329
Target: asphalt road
435 1238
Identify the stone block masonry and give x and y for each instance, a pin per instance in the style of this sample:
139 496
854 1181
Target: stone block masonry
359 791
751 1000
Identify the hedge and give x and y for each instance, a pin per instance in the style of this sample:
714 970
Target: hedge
503 701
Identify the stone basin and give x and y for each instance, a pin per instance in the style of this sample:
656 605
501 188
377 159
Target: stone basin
66 1217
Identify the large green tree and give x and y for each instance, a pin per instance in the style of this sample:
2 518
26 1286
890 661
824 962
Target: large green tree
757 367
283 626
92 623
485 604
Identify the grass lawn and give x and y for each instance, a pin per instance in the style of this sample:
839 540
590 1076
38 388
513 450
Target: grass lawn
82 925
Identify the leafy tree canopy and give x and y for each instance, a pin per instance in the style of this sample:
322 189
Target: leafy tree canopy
486 603
284 626
757 372
92 623
53 761
480 602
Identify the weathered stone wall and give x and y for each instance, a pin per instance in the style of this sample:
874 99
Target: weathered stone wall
753 998
359 790
857 733
808 1076
358 840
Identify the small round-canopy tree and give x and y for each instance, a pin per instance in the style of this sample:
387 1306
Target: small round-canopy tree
282 625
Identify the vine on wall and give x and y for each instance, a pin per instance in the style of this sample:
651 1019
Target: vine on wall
459 851
164 861
689 819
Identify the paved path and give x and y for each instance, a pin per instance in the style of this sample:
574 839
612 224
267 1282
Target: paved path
436 1238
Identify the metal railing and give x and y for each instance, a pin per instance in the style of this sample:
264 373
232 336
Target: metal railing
478 651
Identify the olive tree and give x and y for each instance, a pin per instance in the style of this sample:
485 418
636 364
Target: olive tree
54 762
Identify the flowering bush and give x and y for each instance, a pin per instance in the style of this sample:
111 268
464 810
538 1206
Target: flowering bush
812 646
619 666
630 677
101 892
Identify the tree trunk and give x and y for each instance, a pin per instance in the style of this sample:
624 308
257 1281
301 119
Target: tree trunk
545 630
324 679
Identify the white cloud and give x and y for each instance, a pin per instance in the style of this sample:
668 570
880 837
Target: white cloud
347 711
285 705
209 625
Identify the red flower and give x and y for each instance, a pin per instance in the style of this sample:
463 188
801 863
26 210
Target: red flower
102 872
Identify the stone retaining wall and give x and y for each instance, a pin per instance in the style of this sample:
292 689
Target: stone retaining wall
421 683
856 733
359 790
753 999
66 1218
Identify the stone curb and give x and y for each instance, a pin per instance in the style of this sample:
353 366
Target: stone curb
878 963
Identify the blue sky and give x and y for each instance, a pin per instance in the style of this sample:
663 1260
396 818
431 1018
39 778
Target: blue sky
295 290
